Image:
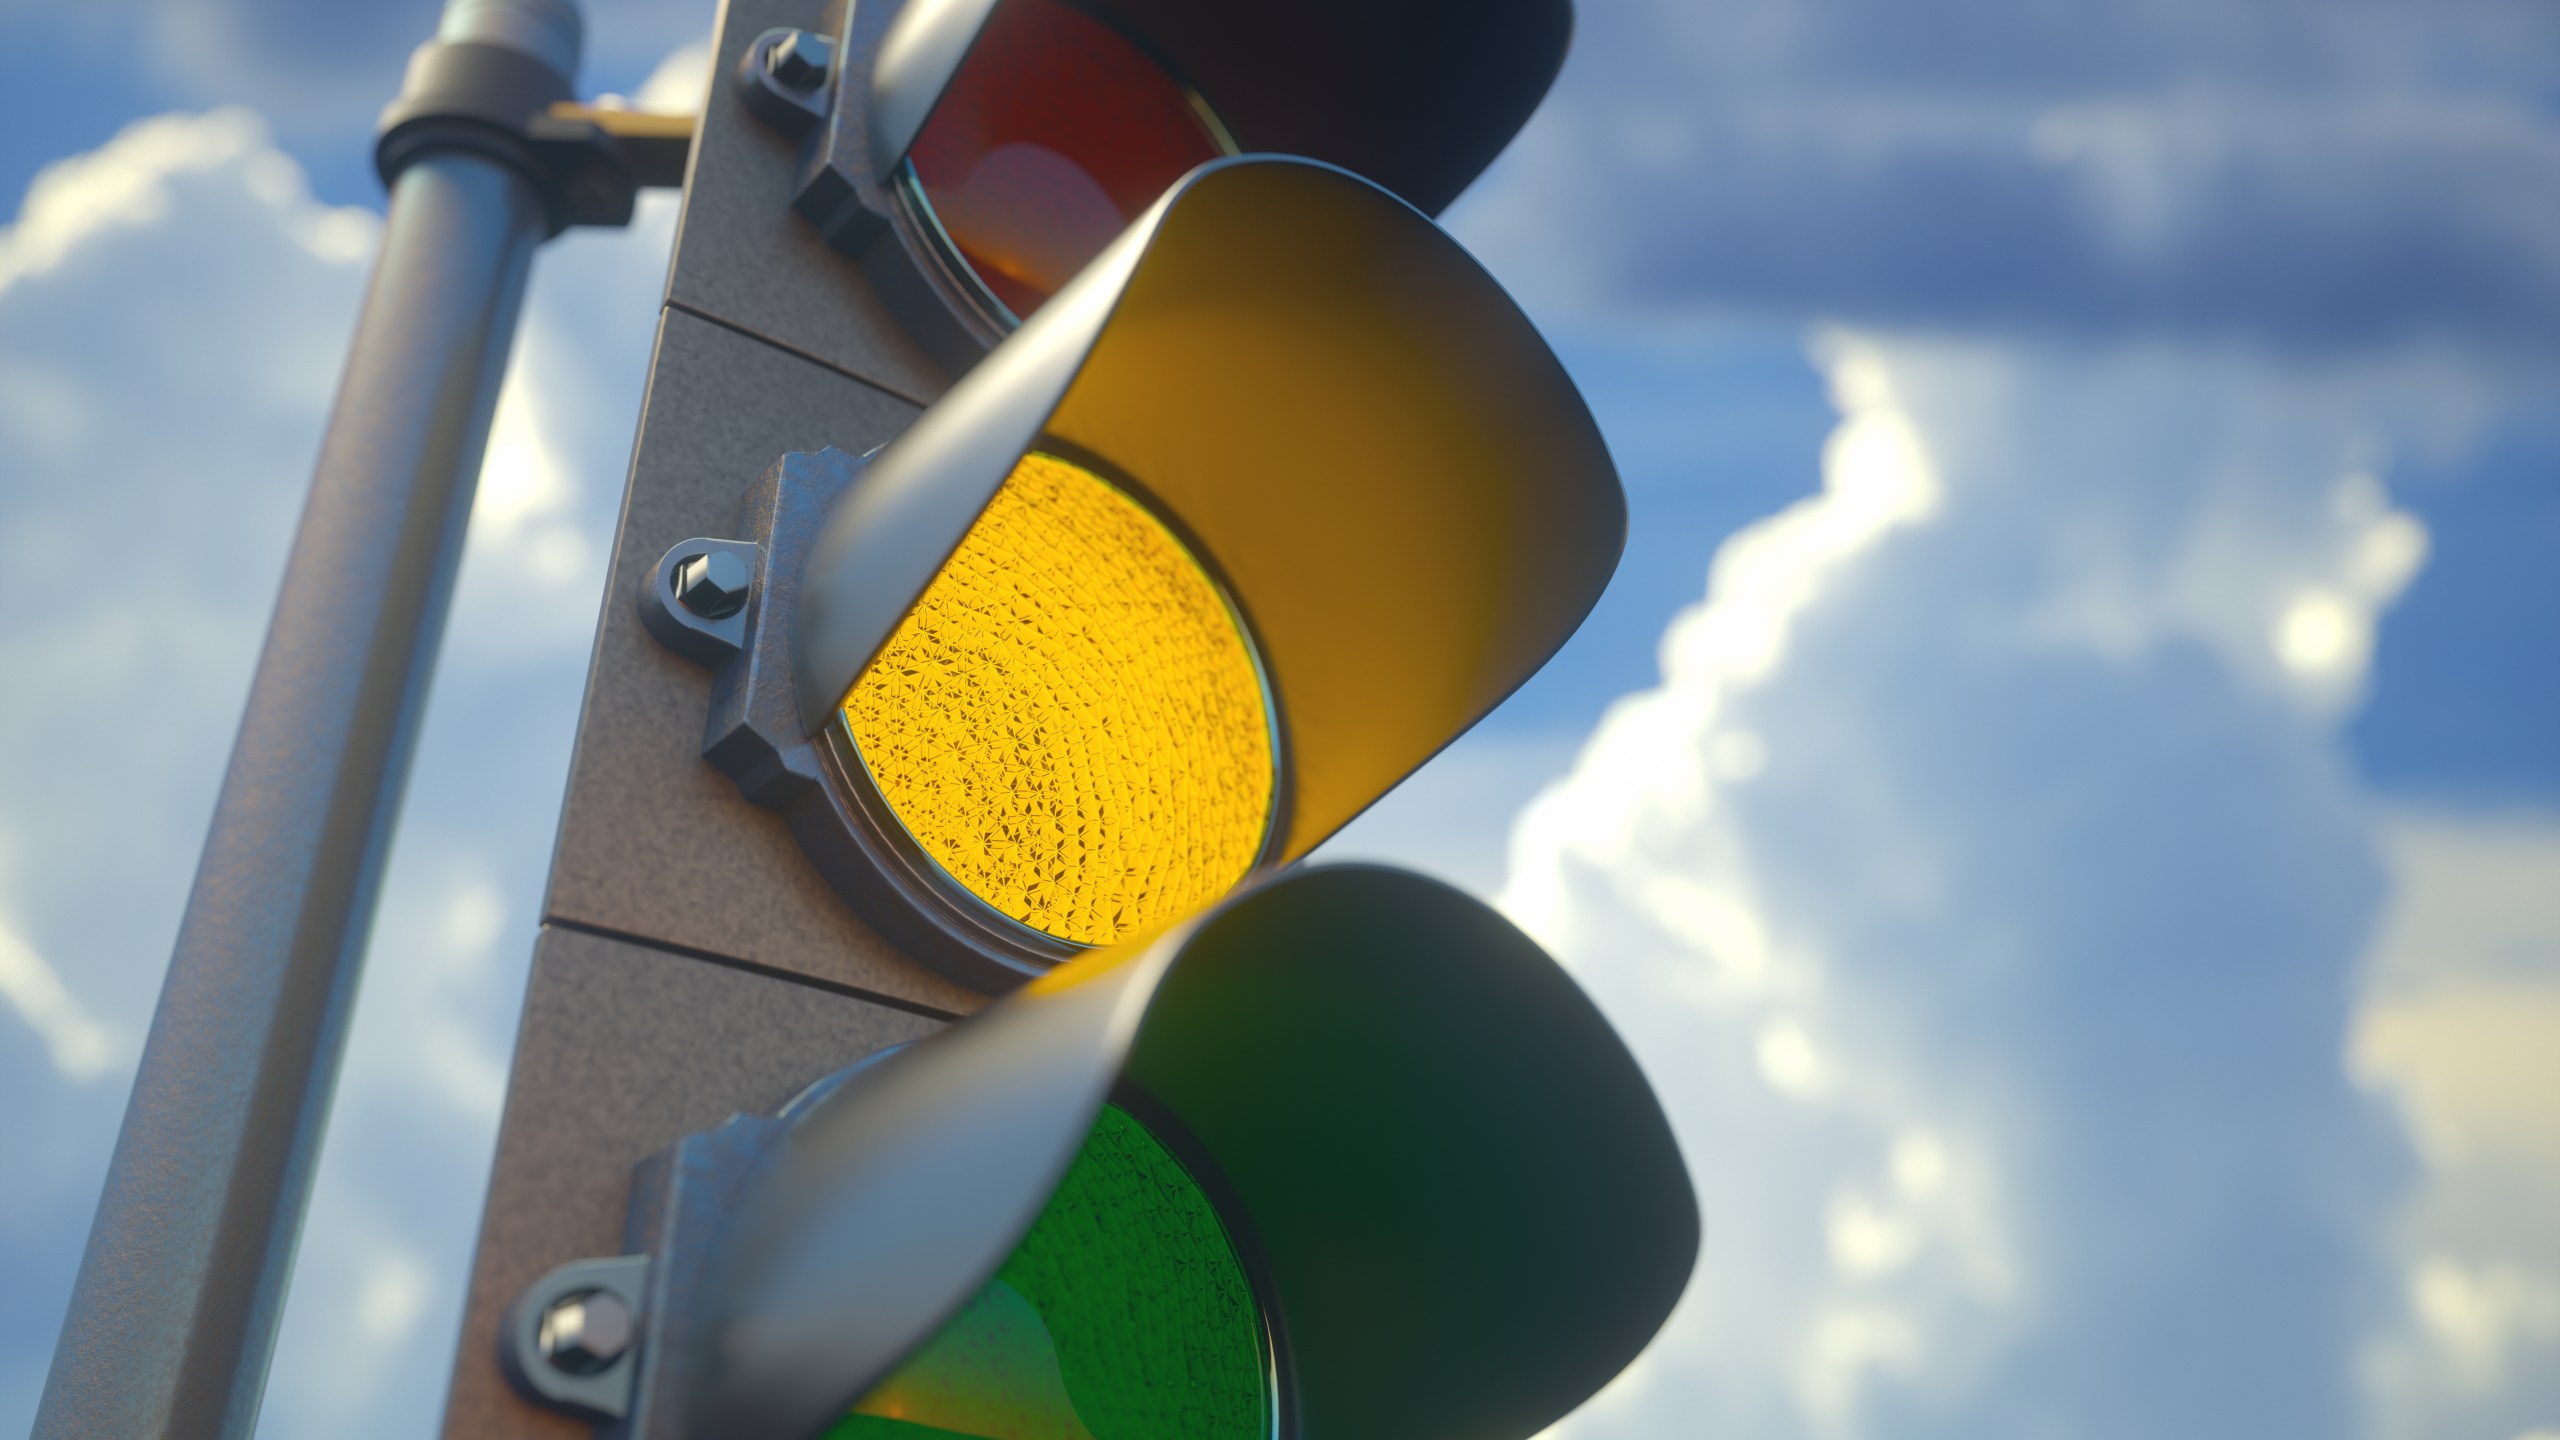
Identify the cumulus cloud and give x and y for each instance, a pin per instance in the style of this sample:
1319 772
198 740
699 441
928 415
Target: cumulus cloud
2461 1029
2309 173
681 83
1983 889
81 1047
174 310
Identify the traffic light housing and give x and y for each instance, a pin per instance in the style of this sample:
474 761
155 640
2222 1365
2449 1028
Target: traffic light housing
1453 1206
1286 470
975 154
1365 503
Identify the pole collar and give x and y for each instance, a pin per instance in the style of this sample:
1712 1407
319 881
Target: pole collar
499 102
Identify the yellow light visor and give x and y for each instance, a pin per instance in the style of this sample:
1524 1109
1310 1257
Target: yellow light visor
1070 721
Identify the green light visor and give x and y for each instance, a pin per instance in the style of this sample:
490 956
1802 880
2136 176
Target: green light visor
1377 1170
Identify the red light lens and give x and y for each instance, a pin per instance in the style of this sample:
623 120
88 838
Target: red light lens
1056 132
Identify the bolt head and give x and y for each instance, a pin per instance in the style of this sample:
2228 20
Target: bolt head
713 586
585 1333
801 60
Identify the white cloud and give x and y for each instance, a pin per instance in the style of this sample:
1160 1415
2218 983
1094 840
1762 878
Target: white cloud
474 918
2481 1316
82 1048
1998 982
681 84
1790 1063
525 508
2315 174
378 1365
2460 1030
395 1293
128 186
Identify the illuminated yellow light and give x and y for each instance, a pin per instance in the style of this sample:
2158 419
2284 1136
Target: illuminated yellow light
1070 721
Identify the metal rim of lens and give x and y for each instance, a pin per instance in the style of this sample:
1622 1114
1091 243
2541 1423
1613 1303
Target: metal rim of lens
907 190
944 254
926 883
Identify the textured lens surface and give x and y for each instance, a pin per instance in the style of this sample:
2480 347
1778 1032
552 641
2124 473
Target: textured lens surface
1053 135
1124 1315
1069 721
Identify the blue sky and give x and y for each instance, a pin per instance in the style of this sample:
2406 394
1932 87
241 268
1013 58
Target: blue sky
2062 794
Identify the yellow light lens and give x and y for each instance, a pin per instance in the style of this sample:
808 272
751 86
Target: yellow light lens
1070 721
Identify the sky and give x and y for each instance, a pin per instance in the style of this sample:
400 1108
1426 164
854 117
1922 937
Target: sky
2062 796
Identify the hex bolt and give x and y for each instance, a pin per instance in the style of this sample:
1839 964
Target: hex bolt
713 586
801 60
584 1333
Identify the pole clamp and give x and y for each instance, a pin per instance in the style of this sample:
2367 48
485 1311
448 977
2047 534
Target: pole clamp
588 163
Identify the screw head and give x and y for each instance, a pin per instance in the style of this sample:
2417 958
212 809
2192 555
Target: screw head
801 60
713 586
585 1333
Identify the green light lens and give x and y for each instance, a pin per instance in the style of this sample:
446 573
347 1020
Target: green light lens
1125 1314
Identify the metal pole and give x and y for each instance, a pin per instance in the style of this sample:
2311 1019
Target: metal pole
173 1318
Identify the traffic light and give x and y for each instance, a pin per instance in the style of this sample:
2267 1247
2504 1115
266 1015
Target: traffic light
1252 491
976 154
1268 505
1345 1155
